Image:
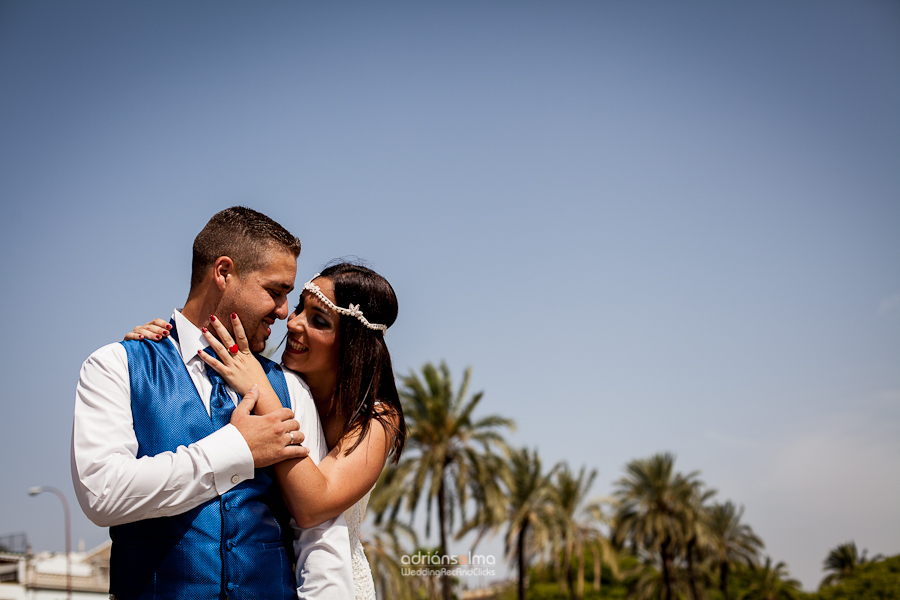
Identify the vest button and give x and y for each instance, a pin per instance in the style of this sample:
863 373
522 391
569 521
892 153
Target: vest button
227 506
235 479
229 545
230 587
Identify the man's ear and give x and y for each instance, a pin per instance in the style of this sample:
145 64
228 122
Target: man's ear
223 268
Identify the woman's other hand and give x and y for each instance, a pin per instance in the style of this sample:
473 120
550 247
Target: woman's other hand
155 330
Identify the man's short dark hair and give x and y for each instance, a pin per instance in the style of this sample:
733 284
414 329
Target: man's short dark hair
243 235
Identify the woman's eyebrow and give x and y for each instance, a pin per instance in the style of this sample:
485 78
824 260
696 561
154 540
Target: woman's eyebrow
321 310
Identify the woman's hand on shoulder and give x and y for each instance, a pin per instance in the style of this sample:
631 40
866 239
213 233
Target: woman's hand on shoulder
156 330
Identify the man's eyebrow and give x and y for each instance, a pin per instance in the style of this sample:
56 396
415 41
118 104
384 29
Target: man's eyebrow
280 285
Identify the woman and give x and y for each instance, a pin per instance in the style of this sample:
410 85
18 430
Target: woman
335 342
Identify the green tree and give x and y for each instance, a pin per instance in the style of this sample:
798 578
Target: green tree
842 561
451 456
771 582
656 508
730 541
873 580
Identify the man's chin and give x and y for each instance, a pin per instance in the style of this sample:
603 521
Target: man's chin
258 344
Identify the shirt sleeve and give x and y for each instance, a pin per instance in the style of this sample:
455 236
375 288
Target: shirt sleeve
112 484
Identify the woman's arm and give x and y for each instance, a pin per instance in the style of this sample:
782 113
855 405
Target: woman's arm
315 493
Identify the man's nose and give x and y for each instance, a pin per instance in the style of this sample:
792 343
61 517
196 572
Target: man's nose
281 308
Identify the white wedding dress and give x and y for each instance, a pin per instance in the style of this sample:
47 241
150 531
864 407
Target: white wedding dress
363 583
341 571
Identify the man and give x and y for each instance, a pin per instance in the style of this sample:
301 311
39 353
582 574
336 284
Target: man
161 455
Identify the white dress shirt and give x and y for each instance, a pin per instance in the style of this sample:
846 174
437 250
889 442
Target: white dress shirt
113 486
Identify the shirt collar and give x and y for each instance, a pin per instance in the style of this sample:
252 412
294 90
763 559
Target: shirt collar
190 338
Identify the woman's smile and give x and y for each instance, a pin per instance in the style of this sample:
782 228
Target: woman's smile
295 347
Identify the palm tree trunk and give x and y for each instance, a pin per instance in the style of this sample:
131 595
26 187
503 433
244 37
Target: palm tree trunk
692 576
723 579
667 569
580 593
560 579
520 549
447 593
598 568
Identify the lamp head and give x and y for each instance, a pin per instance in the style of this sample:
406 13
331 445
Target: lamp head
35 491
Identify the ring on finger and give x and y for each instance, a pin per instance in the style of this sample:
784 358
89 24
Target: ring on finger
233 349
291 433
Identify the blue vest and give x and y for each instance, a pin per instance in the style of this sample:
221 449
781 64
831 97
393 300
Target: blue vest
236 544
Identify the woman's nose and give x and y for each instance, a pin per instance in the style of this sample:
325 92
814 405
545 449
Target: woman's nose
296 322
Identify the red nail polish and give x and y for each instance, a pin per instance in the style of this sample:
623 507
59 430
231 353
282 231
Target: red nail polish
199 352
168 326
159 337
234 315
203 329
212 317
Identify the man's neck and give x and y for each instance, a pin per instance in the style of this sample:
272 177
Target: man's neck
199 307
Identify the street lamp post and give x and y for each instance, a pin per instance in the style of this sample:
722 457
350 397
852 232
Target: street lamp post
34 492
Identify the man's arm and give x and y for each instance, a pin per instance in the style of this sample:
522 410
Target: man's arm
113 486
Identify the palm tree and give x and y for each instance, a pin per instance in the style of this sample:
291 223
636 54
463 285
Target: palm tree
601 545
646 582
656 508
451 456
492 501
695 534
427 585
842 561
384 550
531 511
771 582
570 493
730 541
577 529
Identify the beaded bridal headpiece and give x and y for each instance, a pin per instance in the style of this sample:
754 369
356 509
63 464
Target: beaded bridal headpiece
353 311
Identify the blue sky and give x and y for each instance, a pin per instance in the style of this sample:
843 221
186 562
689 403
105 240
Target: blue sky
647 227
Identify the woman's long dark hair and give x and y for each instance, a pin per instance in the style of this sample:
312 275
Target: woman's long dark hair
365 376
